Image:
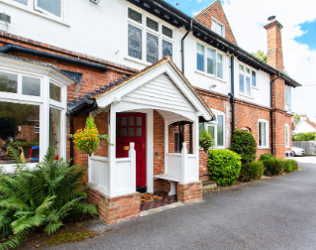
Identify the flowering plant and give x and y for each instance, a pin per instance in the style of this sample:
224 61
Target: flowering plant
206 141
88 139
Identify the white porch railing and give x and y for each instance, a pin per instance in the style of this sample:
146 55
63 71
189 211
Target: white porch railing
114 180
181 167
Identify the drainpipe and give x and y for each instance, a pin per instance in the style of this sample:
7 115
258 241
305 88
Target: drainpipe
71 124
271 111
182 44
232 93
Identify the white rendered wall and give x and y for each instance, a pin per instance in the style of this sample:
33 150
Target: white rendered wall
303 127
101 31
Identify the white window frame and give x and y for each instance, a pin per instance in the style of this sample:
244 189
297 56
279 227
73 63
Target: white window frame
145 30
288 98
44 103
266 134
214 124
287 135
31 7
205 62
215 21
245 75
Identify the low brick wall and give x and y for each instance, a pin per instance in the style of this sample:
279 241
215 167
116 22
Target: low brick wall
189 193
117 209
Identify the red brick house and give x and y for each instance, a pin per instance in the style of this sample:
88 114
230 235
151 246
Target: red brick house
151 89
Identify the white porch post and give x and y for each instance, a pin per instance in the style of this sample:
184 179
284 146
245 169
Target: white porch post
132 156
184 163
112 149
166 142
196 146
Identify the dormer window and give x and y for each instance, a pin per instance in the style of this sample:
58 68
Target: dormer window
218 27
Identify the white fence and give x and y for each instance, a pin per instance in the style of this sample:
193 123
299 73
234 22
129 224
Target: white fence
116 180
308 146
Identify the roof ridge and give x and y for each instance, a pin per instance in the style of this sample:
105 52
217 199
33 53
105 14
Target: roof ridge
204 10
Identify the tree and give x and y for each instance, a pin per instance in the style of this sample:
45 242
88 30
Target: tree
297 118
260 55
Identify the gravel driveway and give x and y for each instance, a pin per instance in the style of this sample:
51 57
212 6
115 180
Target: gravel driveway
272 214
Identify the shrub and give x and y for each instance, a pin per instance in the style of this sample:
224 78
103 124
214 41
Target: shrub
273 166
206 141
266 157
224 166
244 144
251 171
290 166
310 136
44 198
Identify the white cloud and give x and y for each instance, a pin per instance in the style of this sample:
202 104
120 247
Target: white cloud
247 18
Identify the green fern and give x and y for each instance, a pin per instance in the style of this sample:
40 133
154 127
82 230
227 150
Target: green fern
46 197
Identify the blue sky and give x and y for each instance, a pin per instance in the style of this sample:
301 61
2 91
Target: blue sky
190 7
309 37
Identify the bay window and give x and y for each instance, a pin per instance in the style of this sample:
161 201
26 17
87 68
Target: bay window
32 111
247 80
212 59
148 36
263 134
216 129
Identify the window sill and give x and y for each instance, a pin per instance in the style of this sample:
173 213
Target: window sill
248 96
264 148
137 61
210 76
36 13
255 88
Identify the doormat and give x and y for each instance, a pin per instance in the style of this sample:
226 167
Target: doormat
144 198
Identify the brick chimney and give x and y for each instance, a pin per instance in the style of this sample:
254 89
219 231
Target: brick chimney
275 52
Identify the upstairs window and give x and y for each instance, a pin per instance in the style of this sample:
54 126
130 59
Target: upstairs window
288 98
247 80
148 40
52 8
210 58
218 27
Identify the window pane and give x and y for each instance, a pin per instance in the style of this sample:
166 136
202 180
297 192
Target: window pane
241 67
131 131
134 42
166 31
18 123
254 79
134 15
248 86
21 1
139 121
124 132
211 131
219 66
124 121
55 131
139 132
54 92
8 82
220 130
152 48
264 139
218 29
30 86
211 61
51 6
166 48
241 83
117 121
248 71
131 121
117 131
152 24
200 57
287 135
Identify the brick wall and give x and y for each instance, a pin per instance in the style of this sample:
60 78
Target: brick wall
117 209
191 192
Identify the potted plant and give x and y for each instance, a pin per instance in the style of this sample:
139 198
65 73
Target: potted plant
206 141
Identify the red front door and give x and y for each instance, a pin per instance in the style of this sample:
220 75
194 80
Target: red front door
131 127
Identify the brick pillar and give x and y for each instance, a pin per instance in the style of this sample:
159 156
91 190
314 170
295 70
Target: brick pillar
190 192
275 52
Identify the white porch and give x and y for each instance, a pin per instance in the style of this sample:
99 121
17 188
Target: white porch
165 90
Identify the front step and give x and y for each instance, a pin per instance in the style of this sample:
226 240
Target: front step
208 185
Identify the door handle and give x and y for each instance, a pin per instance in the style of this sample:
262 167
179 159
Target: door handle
126 147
